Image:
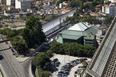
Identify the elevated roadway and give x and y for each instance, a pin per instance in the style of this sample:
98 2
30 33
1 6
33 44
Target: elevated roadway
104 59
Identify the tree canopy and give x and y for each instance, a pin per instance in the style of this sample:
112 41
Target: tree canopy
73 49
42 61
19 45
33 34
108 20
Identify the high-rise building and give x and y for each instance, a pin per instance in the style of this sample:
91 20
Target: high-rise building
8 2
103 63
22 4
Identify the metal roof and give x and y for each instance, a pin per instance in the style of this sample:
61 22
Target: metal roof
67 34
79 27
54 24
75 34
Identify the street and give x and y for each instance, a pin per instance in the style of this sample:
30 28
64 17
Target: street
9 63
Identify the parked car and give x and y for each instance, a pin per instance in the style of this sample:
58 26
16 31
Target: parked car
78 61
55 62
82 67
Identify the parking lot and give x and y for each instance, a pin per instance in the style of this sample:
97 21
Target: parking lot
68 65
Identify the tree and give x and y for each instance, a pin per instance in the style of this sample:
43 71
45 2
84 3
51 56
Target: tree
108 20
42 61
73 49
28 36
33 34
19 45
42 73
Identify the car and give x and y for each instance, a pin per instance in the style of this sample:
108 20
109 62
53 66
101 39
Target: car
78 61
13 53
61 72
82 67
57 64
59 75
75 72
73 63
55 60
64 75
66 72
83 59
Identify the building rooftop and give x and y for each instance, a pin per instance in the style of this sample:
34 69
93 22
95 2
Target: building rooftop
79 27
78 30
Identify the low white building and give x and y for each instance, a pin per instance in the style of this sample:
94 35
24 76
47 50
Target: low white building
109 9
23 4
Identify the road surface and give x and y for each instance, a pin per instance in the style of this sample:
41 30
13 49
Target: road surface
11 67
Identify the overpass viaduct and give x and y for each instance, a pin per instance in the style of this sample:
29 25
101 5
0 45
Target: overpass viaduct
103 63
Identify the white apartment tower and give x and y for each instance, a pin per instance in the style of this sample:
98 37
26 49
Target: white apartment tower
8 2
22 4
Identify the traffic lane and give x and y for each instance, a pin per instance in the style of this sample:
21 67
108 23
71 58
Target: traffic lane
6 66
18 69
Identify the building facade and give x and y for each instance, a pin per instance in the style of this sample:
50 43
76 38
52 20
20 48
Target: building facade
109 9
23 4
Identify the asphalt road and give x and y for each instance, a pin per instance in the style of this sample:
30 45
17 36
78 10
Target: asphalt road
27 66
10 64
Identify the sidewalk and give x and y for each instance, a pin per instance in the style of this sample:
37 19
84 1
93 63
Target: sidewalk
22 59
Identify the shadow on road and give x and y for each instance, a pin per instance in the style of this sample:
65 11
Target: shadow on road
4 49
1 57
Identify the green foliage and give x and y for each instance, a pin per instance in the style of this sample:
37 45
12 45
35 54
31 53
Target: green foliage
5 25
1 26
80 3
33 34
4 17
84 63
59 1
72 49
49 53
76 3
19 45
108 20
9 33
50 18
28 36
42 73
86 18
42 61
